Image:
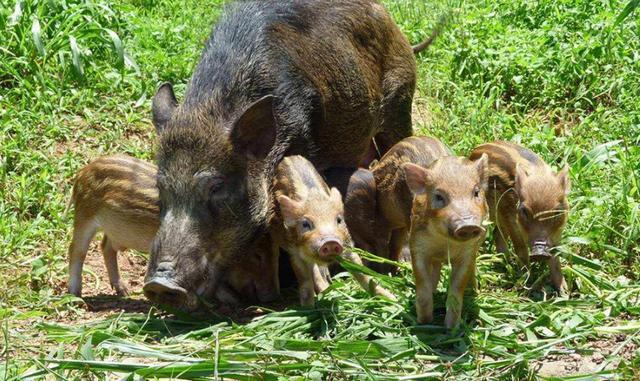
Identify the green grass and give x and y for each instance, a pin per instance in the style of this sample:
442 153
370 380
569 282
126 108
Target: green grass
561 77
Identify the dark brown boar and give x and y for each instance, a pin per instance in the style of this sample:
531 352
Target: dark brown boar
118 195
315 78
528 203
309 224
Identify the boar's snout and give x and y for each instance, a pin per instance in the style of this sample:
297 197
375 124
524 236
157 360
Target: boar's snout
162 291
540 251
330 248
466 229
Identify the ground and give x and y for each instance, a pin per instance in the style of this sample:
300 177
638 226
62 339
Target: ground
562 78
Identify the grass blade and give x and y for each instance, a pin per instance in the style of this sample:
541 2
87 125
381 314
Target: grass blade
36 34
118 47
76 57
628 9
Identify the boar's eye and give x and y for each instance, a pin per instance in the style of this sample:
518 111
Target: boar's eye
306 225
438 200
215 185
339 220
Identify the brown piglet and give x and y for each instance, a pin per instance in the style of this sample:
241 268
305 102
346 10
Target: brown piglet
437 202
309 224
118 195
528 203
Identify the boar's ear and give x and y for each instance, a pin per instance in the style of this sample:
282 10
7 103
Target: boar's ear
482 166
416 178
336 197
521 175
254 132
289 209
563 177
163 105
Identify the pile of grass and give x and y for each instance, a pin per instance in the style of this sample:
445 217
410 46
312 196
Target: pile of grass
562 78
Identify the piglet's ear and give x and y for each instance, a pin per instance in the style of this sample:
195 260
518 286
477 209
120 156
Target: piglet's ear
254 132
290 210
163 105
521 175
563 178
336 197
416 178
482 166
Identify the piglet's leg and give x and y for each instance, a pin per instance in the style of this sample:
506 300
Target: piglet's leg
110 255
396 244
519 243
83 231
304 275
462 270
366 281
320 277
422 270
557 279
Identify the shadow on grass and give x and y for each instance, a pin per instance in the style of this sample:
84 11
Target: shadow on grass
105 302
448 344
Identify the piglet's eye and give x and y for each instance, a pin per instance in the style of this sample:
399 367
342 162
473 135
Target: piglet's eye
339 220
306 225
476 192
439 201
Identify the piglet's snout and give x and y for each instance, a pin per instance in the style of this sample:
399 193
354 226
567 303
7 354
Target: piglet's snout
468 228
330 248
540 251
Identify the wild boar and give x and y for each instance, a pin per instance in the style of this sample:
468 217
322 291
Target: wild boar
315 78
528 203
118 195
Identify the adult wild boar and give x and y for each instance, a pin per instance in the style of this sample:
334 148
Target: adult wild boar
314 78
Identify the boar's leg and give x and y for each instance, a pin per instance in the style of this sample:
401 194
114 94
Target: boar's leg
110 255
83 231
267 283
462 270
557 279
365 281
304 275
395 124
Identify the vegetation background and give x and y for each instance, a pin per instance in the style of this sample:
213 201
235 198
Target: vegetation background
561 77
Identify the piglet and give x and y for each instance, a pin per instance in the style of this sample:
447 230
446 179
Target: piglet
309 224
